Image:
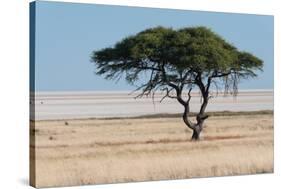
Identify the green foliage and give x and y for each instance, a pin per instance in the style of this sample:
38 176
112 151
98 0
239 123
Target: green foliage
183 57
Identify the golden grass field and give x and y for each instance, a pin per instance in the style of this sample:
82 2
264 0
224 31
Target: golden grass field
95 151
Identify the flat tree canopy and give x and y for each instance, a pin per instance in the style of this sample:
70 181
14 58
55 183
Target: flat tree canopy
178 61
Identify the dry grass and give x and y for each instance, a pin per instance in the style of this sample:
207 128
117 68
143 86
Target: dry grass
122 150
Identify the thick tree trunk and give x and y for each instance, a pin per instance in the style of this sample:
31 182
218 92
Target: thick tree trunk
196 133
196 127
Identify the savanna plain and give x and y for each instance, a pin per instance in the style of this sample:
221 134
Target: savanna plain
95 151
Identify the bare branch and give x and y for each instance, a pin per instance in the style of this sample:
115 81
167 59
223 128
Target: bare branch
168 94
189 96
187 112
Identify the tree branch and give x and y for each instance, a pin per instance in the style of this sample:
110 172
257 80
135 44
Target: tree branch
186 113
168 94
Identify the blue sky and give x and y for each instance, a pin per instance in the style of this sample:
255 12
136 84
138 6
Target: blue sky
67 33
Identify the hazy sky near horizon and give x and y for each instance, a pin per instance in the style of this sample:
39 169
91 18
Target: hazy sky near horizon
67 33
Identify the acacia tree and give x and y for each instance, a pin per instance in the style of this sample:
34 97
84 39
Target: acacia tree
177 62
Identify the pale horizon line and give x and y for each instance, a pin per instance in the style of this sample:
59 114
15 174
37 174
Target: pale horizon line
131 91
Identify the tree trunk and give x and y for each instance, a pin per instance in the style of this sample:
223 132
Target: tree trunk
196 127
196 133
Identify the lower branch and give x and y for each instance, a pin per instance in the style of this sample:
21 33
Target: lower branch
186 119
187 111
